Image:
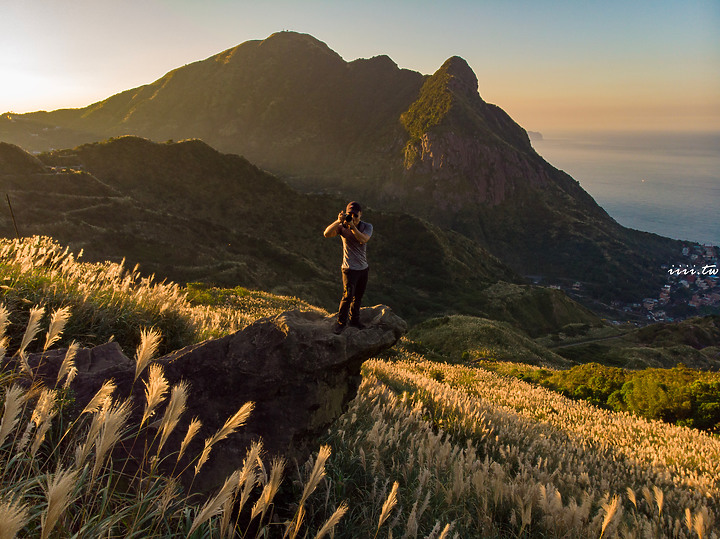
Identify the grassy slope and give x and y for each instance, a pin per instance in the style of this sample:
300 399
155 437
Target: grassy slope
482 453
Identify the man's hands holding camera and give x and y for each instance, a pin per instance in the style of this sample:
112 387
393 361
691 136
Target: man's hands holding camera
346 219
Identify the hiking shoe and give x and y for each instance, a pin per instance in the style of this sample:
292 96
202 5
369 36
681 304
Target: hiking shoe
338 328
357 324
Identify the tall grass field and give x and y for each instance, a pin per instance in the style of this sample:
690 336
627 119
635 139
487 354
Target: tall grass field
428 449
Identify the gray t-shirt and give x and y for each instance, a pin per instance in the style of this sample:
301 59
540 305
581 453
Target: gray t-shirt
354 252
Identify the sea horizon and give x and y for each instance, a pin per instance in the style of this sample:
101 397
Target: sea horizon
664 182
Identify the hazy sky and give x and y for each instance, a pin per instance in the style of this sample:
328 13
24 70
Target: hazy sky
552 65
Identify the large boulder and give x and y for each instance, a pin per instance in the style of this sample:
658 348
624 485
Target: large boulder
299 374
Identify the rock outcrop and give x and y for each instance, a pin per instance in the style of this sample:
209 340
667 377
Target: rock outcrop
299 374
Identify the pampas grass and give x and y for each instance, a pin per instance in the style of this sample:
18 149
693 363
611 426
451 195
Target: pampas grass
44 411
610 508
67 367
213 506
156 387
59 493
32 329
102 395
149 342
332 521
14 400
113 421
193 428
13 516
230 426
173 412
58 319
388 506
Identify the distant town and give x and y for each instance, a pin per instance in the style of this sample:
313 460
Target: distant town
692 289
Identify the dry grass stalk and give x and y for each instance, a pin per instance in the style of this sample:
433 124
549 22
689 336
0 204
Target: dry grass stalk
270 489
149 342
13 517
332 521
248 477
610 509
14 399
699 524
230 426
213 506
67 367
110 433
173 412
446 531
193 429
631 497
388 506
32 329
58 319
169 493
4 320
659 499
233 423
318 472
59 492
102 395
155 389
42 416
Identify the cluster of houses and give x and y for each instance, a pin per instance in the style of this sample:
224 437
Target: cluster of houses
692 289
695 283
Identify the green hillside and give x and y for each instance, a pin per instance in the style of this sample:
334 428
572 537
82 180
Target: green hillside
186 212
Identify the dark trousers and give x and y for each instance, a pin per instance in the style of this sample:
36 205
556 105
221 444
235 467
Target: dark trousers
354 284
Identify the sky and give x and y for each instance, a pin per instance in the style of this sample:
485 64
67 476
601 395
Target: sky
553 65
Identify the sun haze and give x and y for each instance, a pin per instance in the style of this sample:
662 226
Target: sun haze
551 65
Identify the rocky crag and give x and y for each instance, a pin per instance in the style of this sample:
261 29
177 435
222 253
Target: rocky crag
297 372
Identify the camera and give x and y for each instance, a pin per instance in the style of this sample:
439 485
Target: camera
346 218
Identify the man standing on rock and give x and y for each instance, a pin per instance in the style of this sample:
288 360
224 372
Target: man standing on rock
355 234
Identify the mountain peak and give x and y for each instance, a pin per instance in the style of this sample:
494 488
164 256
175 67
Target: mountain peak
462 77
288 41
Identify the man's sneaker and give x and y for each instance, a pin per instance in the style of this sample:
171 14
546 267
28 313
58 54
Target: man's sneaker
357 324
338 328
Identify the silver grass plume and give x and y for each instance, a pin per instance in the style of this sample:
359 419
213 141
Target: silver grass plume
175 409
45 410
67 367
58 492
149 342
332 521
230 426
58 319
32 329
269 490
213 506
155 389
193 429
14 399
13 517
104 393
110 433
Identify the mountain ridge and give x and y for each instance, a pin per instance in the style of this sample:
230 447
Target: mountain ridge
397 139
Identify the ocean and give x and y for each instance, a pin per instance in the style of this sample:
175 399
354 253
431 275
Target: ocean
667 183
